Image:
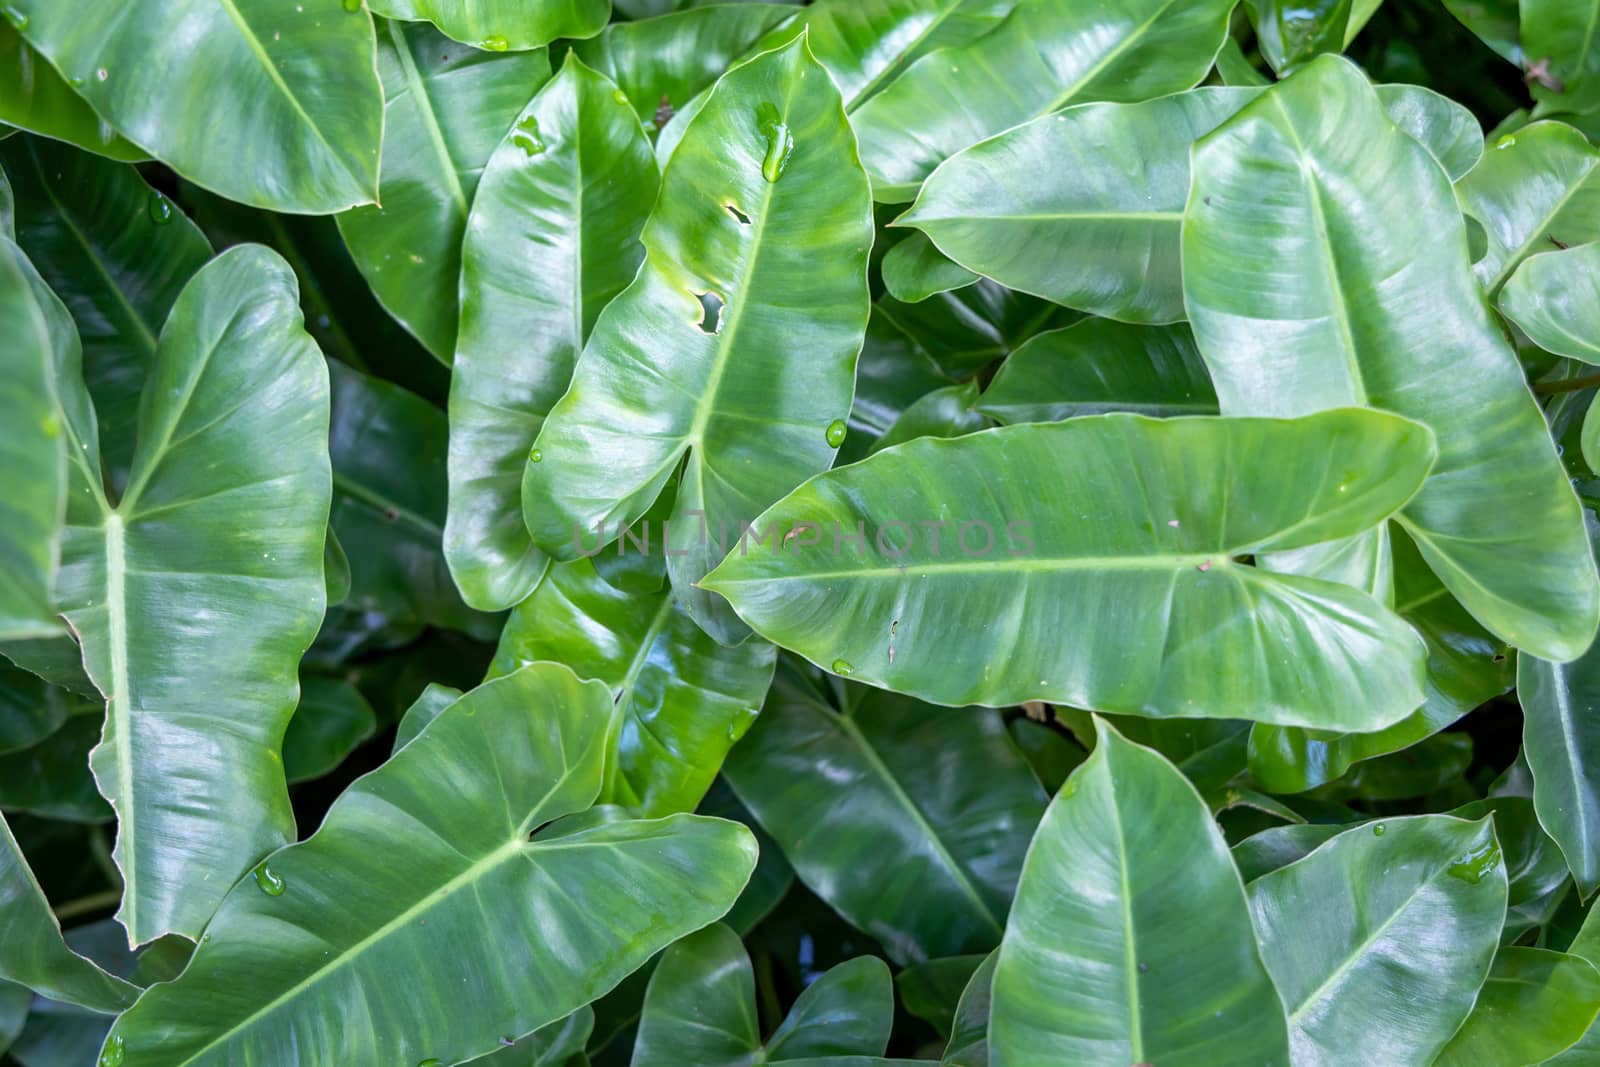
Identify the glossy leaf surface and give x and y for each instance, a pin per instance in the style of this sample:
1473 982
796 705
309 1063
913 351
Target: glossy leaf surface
1534 1004
1308 244
34 97
1561 741
1177 624
707 340
553 236
495 767
1554 297
1130 939
498 25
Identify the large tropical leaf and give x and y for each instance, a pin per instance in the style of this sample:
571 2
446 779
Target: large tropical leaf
1051 207
552 237
34 97
747 316
498 25
910 821
1130 940
679 699
118 253
701 1009
1466 666
39 337
1379 939
1534 1004
388 448
297 963
32 952
1555 298
1066 583
1097 366
274 103
1324 264
1536 190
445 109
1043 57
1561 740
224 514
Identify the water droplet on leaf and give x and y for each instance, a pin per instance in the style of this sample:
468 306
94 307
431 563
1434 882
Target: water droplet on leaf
619 96
535 456
431 1061
17 18
352 6
1378 829
527 136
102 74
1476 864
836 431
780 142
270 883
112 1055
495 43
842 668
160 209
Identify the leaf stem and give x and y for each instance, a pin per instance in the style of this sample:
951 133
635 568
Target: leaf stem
1567 385
84 905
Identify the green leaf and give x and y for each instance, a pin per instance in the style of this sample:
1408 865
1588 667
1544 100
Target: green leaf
224 513
1130 939
389 450
1534 1004
679 699
52 778
558 1044
30 709
1561 740
1555 298
662 63
1536 873
1164 620
1097 366
1495 22
910 821
427 707
1536 190
1051 755
964 330
1280 846
498 25
34 97
566 912
39 338
1466 666
773 877
1051 207
701 1009
552 237
894 372
914 270
931 990
118 252
713 315
32 952
1324 265
446 107
1291 34
332 719
262 101
1561 35
946 412
1042 58
969 1031
1379 939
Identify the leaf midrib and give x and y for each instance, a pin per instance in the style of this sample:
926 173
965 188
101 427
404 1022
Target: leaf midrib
430 118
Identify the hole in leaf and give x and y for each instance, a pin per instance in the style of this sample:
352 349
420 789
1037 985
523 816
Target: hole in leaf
744 220
711 305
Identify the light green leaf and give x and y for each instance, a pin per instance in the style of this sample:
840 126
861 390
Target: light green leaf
498 25
429 704
662 63
1564 35
389 450
1130 939
1325 265
557 1044
38 338
1379 939
1555 298
914 270
700 1008
565 908
679 699
1534 1004
1466 666
1449 131
332 719
552 237
34 97
1291 32
1098 366
274 103
446 107
118 252
1164 620
32 952
969 1031
946 412
1043 57
224 513
910 821
1535 190
1495 22
702 345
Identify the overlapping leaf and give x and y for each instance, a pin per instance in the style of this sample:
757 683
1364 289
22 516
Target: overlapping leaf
498 25
1555 298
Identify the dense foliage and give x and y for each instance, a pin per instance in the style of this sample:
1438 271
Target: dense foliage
966 532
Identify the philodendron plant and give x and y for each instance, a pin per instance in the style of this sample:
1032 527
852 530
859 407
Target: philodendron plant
979 533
